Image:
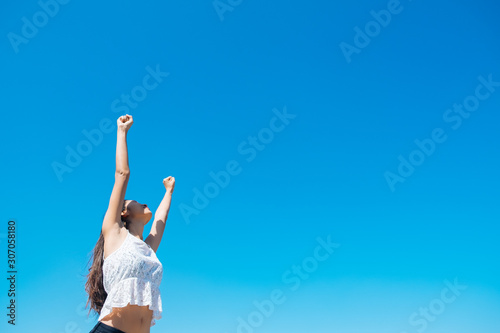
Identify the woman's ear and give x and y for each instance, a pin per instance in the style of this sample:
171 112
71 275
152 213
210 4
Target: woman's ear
125 213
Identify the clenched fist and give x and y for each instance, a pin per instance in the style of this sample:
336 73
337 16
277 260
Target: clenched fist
124 122
169 183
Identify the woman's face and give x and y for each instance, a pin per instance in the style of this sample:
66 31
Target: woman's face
138 211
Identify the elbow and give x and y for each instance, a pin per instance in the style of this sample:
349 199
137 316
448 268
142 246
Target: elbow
122 172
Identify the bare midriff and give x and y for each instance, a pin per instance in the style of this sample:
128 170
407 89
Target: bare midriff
130 319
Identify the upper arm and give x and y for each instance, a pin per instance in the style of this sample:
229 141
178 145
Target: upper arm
112 219
156 234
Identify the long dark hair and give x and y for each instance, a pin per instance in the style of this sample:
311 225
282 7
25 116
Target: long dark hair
94 285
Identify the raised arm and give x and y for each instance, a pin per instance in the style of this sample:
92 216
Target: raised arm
161 215
112 219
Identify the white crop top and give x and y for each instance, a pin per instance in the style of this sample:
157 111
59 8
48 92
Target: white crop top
132 274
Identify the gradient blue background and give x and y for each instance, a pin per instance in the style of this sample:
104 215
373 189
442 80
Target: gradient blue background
323 175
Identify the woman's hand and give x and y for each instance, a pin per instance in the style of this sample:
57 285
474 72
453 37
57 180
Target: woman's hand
169 183
125 122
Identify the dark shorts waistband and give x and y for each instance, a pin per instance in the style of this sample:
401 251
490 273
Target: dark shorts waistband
104 328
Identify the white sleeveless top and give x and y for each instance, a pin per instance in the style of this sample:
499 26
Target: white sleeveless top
132 274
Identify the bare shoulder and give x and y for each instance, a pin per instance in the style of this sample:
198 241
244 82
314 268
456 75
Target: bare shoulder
113 239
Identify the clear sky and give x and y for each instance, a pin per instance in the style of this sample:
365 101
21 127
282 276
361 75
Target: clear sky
355 147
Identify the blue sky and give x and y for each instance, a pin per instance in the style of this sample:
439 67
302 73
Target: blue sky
319 173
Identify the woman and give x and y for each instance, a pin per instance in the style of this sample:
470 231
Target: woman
124 279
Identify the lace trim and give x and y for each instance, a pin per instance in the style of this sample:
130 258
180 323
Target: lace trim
136 292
